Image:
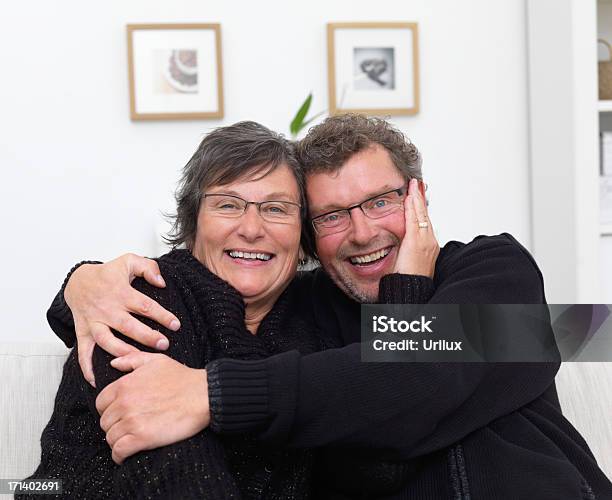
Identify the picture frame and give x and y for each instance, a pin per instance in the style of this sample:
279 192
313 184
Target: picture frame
175 71
373 68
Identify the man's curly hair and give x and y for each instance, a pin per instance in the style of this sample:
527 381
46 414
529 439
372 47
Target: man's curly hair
330 144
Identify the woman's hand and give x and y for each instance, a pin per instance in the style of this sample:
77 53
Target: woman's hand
161 402
419 248
100 298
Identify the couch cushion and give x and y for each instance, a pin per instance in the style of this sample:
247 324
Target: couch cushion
585 393
30 375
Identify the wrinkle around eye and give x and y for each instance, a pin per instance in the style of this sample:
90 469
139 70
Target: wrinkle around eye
333 217
276 211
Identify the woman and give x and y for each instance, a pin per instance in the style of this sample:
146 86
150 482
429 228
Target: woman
240 204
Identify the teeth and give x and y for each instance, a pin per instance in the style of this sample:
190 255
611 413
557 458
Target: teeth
249 255
365 259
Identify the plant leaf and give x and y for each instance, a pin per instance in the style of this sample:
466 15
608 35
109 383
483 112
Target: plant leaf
297 123
310 120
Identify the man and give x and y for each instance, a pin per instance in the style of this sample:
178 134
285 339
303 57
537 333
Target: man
453 430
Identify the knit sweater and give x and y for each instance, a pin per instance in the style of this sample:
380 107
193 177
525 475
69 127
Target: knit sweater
455 430
204 466
336 398
446 430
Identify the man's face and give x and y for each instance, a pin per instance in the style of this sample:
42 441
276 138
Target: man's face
364 175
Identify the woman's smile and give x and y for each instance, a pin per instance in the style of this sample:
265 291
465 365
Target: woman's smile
256 255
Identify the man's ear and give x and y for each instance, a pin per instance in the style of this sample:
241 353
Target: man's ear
422 188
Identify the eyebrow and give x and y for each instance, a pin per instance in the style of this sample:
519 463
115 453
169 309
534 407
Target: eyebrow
275 196
332 207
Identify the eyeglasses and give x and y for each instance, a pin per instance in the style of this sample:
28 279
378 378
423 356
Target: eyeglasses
376 207
227 205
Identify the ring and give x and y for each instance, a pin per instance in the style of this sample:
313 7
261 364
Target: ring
423 225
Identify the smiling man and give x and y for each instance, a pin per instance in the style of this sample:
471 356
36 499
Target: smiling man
357 259
358 245
411 431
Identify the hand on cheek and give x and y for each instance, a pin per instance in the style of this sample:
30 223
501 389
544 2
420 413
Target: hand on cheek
419 249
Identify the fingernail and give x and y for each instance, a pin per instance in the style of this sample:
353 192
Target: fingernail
174 325
160 280
162 344
92 382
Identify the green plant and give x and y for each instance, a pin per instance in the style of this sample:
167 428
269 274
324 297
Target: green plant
299 121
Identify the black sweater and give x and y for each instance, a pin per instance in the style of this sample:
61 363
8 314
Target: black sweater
457 430
206 465
464 430
335 398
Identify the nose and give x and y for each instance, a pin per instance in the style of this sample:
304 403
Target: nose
362 228
251 224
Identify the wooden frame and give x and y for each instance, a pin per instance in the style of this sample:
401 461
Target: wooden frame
213 108
407 94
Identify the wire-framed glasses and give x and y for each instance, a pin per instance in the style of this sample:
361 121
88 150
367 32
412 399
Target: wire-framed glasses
227 205
376 207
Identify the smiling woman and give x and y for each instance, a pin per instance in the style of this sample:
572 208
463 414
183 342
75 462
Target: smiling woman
253 245
240 206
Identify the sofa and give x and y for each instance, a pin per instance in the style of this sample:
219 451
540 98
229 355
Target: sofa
31 373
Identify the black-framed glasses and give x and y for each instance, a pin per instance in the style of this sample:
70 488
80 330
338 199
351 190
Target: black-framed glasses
228 205
375 207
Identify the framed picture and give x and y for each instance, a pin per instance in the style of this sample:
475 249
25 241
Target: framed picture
373 68
175 71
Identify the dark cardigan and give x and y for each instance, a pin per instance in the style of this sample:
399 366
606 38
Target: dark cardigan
457 430
204 466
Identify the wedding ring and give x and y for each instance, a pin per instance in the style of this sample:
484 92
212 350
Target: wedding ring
423 225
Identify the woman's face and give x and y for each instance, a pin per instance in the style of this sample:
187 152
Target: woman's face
221 242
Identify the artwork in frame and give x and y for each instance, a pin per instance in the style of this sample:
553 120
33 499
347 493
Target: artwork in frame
175 71
373 68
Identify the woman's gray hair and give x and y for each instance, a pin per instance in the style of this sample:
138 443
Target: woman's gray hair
245 149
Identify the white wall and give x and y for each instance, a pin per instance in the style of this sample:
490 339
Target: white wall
564 147
79 180
604 30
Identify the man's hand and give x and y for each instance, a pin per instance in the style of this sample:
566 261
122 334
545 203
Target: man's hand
161 402
100 298
419 249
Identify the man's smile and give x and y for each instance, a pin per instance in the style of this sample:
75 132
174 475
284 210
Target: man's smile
370 258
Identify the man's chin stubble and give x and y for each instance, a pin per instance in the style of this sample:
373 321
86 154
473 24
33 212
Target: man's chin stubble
349 287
